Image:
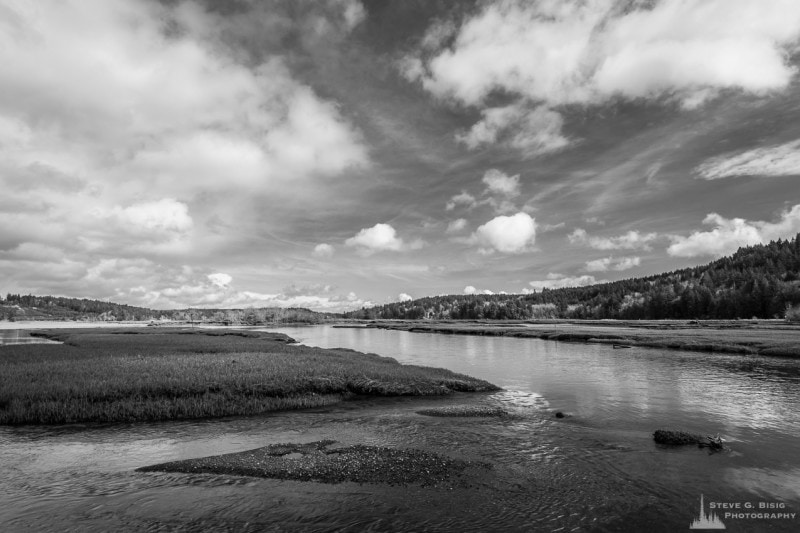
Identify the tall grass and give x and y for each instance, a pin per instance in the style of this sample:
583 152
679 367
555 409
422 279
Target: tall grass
109 376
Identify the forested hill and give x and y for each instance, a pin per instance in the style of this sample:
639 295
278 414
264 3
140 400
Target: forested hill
29 307
760 281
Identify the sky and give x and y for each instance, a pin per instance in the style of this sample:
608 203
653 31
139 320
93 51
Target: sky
348 153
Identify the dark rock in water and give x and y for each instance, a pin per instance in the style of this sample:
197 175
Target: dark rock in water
665 436
713 443
559 414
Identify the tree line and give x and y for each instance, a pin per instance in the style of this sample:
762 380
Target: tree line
760 281
30 307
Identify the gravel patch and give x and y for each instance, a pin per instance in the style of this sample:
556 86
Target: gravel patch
464 410
323 462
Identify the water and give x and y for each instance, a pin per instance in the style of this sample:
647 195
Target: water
21 336
596 470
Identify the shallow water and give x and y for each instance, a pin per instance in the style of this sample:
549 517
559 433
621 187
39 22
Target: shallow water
21 336
596 470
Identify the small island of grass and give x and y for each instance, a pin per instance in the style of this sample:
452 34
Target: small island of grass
130 375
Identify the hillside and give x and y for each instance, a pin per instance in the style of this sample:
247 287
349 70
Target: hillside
16 307
760 281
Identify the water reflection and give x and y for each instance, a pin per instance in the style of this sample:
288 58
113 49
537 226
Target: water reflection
21 336
600 384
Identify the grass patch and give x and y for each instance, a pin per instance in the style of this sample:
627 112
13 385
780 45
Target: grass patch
169 374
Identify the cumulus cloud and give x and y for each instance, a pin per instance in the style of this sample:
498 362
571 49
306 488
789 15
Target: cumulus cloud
779 160
323 250
163 216
499 191
220 279
162 226
461 199
403 297
558 281
610 263
583 52
158 96
176 287
532 131
631 240
142 113
498 182
456 225
507 234
729 234
550 54
469 289
380 238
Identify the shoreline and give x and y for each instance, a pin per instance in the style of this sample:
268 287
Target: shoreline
757 338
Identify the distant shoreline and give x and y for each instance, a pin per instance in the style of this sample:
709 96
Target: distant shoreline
745 337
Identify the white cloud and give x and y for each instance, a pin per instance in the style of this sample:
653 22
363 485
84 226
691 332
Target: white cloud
553 227
532 131
220 279
323 250
631 240
379 238
163 287
554 53
498 182
462 198
162 226
558 281
779 160
163 216
456 225
729 234
469 289
507 234
403 297
354 13
584 52
141 112
610 263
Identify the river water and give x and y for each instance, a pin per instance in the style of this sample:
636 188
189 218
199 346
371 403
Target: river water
598 469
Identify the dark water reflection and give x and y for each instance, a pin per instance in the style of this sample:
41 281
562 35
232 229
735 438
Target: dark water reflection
597 470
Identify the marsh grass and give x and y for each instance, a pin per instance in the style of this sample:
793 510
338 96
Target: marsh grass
115 376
